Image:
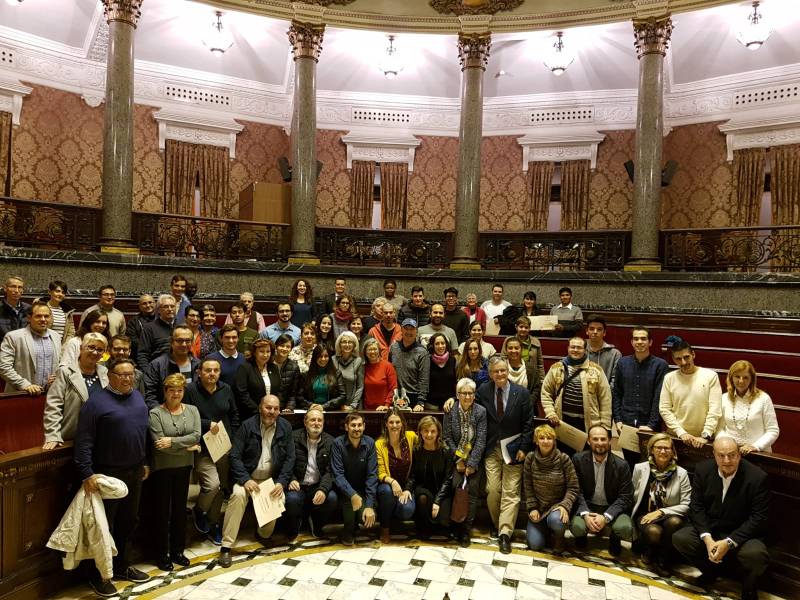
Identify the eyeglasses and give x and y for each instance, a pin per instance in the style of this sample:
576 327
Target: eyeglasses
183 340
123 375
95 349
662 448
466 393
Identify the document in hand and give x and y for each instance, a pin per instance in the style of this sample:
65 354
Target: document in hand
267 508
218 444
509 447
571 436
543 322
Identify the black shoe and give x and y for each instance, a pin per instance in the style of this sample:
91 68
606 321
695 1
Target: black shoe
312 527
267 542
164 564
581 543
346 538
464 539
614 545
102 588
225 558
492 532
132 574
181 560
749 593
504 543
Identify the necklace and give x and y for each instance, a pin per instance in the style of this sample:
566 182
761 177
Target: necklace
740 425
182 430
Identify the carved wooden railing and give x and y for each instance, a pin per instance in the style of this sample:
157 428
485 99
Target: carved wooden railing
33 223
387 247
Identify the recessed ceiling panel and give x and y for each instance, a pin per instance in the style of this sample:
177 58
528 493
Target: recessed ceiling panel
62 21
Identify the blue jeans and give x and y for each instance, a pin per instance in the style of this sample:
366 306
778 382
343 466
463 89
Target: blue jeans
390 508
536 532
299 504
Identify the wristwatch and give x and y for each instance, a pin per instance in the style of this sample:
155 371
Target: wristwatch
731 545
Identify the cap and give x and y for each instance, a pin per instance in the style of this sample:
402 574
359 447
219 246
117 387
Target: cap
408 323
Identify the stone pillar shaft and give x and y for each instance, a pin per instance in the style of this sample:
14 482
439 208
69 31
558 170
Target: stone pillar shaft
122 17
306 40
474 54
652 40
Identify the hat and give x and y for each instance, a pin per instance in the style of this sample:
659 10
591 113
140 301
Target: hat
408 323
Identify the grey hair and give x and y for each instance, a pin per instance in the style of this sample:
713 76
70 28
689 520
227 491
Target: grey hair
346 335
163 297
465 384
497 358
93 336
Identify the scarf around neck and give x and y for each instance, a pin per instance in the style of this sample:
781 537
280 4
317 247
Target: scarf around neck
440 360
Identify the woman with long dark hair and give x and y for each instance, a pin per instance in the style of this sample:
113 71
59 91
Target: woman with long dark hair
321 383
325 335
472 364
255 378
96 321
442 379
302 300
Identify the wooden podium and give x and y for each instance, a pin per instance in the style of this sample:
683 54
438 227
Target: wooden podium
266 203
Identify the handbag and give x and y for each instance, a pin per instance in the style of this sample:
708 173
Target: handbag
460 507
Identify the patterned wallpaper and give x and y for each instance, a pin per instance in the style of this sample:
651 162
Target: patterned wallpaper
148 162
333 183
432 185
504 186
610 190
258 148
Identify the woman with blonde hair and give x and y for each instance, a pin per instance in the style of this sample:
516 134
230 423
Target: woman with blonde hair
349 369
431 477
748 415
395 449
551 488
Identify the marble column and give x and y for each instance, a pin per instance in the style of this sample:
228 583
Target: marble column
473 52
652 37
306 41
122 17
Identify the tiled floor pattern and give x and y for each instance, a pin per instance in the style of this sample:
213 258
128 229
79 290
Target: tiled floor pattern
312 569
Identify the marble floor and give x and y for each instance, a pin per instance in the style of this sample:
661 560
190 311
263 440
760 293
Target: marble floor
407 569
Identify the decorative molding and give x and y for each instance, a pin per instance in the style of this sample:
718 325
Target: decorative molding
11 95
762 133
196 129
93 100
558 147
473 50
652 35
98 50
473 7
125 11
306 39
379 148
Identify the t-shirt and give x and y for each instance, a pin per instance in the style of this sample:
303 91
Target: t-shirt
493 310
425 333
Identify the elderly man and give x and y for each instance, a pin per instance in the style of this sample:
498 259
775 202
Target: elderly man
29 357
263 448
354 466
691 398
135 326
155 338
311 491
576 391
387 331
437 325
13 310
178 360
413 365
473 311
116 320
282 325
253 318
112 440
728 518
375 315
120 347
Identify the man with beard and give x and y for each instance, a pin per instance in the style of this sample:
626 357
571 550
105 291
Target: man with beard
437 325
282 325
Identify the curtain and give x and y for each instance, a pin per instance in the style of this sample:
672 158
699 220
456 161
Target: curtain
541 187
215 174
786 185
5 154
748 167
575 195
184 164
394 177
362 182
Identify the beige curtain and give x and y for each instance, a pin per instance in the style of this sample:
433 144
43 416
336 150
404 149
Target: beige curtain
541 186
786 185
394 178
5 154
575 195
748 168
362 182
185 164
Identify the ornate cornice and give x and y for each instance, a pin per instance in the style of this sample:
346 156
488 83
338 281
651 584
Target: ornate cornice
126 11
652 35
474 7
327 3
473 50
11 95
196 129
762 133
561 146
381 148
306 39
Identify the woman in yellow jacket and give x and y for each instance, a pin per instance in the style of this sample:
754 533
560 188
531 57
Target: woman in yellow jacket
395 448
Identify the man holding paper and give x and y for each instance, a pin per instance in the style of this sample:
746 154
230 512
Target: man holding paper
262 455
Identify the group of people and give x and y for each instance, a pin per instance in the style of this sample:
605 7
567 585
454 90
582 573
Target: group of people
137 396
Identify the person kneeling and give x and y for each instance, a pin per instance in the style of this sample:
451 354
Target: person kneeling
262 448
431 478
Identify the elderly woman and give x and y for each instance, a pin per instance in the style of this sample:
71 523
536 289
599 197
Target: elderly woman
465 437
551 488
349 369
72 386
380 378
175 430
747 412
255 378
395 449
97 322
301 354
662 493
208 332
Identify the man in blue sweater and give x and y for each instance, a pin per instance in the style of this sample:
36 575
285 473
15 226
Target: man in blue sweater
230 359
112 440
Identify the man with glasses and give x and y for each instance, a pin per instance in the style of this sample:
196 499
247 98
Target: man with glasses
121 348
112 440
107 297
29 356
282 325
13 310
156 335
179 360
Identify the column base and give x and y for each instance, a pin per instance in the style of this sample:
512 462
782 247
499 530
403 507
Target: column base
643 264
465 264
118 247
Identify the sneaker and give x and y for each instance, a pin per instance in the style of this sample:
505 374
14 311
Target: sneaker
215 534
134 575
200 520
102 588
225 558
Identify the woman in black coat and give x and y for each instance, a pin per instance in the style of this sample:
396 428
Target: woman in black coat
255 378
431 477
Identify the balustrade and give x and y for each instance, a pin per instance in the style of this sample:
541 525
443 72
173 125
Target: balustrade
391 248
33 223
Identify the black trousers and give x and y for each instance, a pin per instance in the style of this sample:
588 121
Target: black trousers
122 514
170 491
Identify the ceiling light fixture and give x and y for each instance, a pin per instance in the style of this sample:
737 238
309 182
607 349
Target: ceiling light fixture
391 64
559 57
14 2
757 30
218 40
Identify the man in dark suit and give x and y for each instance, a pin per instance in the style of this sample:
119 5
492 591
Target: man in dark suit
728 516
508 414
606 493
329 301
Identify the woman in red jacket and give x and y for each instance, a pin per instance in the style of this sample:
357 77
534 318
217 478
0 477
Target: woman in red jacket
380 378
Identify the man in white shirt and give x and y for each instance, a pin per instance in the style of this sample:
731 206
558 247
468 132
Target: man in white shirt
495 307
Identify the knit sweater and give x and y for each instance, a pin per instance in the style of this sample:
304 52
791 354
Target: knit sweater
549 486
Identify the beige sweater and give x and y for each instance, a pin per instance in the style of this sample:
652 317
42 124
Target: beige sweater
691 403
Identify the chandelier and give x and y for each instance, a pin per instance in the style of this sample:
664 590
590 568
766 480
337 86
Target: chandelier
218 40
559 57
390 64
756 31
14 2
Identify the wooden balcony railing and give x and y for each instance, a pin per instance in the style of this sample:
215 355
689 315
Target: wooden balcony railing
37 224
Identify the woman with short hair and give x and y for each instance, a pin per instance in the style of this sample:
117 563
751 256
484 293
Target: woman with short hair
748 415
63 322
380 378
301 354
291 379
349 369
208 331
345 310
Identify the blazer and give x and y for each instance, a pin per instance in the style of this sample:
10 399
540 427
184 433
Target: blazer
382 450
517 416
249 388
64 400
679 490
452 433
246 451
617 483
744 513
17 364
300 437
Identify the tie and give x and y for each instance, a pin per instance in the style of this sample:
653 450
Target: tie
499 396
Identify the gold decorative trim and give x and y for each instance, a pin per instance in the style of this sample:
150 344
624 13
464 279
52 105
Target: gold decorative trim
473 50
126 11
306 39
473 7
652 35
328 2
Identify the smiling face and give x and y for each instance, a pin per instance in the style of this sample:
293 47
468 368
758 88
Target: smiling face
92 352
282 350
641 341
514 351
325 325
476 332
120 349
451 300
409 335
308 337
430 436
598 441
347 346
437 315
323 359
57 295
178 288
355 429
193 318
209 318
394 426
301 288
269 409
284 313
566 298
147 304
545 444
684 359
417 298
523 329
473 349
263 354
339 286
230 339
101 325
576 349
121 378
472 300
166 309
498 373
357 325
373 353
741 381
107 298
439 346
314 422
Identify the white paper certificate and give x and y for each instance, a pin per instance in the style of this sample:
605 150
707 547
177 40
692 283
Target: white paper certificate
629 438
571 436
218 444
543 322
267 508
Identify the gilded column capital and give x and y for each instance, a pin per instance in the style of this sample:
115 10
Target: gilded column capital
473 50
306 39
652 35
127 11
